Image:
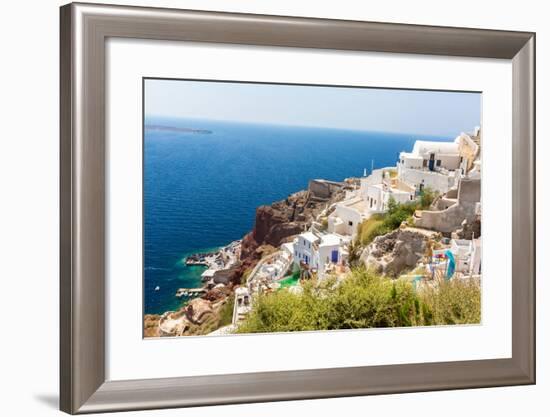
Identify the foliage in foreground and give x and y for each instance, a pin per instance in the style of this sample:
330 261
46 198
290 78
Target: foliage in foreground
364 300
226 311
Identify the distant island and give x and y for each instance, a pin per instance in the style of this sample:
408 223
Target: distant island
178 129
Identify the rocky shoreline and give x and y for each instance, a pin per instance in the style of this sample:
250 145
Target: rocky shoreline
274 225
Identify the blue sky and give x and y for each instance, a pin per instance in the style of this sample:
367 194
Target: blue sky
404 111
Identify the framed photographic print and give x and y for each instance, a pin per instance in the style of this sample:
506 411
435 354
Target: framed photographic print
281 208
304 244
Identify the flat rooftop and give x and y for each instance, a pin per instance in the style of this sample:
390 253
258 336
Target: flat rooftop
309 236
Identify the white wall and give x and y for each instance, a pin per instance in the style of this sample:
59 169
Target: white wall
302 249
435 181
29 209
324 257
348 214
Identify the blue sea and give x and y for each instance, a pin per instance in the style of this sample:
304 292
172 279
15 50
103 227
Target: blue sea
201 190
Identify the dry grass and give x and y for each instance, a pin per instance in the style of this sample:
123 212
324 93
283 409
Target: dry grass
454 302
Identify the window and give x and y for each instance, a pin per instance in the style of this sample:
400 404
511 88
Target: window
350 223
424 163
438 163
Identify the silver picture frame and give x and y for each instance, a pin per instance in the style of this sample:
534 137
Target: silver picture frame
83 34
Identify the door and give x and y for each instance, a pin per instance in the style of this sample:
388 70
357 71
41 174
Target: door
432 161
334 256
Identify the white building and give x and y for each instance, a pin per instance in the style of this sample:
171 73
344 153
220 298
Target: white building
243 304
373 196
431 164
328 253
475 258
320 253
377 196
462 250
304 248
288 248
347 216
437 165
467 255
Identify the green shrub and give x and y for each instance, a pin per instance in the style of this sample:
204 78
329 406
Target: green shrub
380 224
226 311
398 213
380 229
454 302
364 300
367 229
354 251
427 196
245 275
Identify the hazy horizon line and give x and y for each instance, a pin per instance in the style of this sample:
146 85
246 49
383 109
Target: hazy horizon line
145 116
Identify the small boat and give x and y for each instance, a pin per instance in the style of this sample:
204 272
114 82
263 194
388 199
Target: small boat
157 288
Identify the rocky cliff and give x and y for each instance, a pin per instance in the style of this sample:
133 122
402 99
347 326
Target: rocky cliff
398 251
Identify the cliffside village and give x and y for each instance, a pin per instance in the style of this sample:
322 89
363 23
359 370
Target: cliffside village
442 241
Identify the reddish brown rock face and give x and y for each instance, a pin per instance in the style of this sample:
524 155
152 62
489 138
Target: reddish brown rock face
216 294
197 310
279 222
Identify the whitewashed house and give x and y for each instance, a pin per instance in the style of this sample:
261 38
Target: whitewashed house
304 249
431 164
373 196
288 248
347 216
475 258
462 250
328 253
439 165
320 253
377 196
467 256
242 306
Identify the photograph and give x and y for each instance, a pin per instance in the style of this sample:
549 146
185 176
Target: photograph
274 208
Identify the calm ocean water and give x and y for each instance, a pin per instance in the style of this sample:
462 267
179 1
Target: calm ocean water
201 190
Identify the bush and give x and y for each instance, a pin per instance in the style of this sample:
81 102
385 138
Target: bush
364 300
245 275
380 224
427 197
367 230
398 213
454 302
226 311
378 230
